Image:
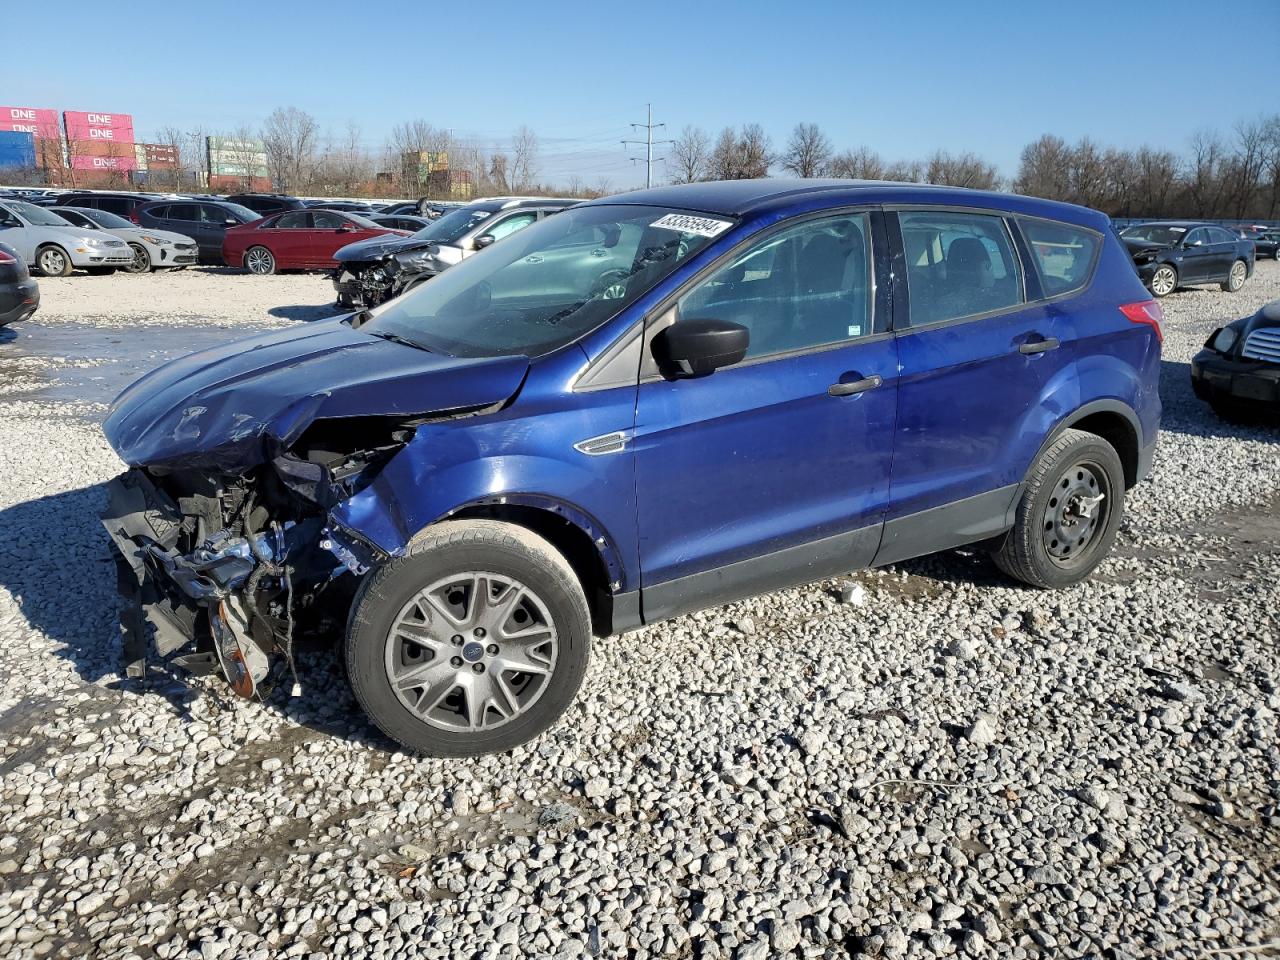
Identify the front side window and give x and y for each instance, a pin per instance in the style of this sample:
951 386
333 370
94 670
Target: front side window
1064 254
534 293
294 220
958 265
510 225
801 287
1197 237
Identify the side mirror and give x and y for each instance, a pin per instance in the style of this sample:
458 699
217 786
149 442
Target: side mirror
696 347
343 230
231 222
485 240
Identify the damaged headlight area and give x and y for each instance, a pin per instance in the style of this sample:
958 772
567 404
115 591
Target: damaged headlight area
230 569
372 282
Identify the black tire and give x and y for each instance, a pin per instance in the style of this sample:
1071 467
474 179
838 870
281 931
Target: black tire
99 271
53 261
1236 277
1160 288
259 260
141 259
1030 552
447 549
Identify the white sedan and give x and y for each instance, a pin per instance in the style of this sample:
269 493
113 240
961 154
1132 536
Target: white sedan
152 249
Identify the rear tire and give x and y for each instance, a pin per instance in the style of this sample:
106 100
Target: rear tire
1235 279
52 261
424 618
141 259
1062 531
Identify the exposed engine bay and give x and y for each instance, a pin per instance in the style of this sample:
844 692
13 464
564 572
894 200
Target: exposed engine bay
387 274
230 568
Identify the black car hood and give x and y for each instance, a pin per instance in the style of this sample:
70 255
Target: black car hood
238 405
375 247
1136 245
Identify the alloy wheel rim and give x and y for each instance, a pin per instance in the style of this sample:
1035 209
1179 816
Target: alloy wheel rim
472 652
139 259
1077 510
260 261
1237 275
1162 282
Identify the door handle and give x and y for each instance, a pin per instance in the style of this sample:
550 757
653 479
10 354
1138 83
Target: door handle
857 386
1039 346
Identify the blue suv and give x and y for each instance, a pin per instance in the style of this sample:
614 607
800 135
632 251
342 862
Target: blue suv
641 406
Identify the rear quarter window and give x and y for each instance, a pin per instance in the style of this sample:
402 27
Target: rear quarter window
1064 254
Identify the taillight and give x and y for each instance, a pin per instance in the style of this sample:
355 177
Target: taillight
133 215
1145 311
7 258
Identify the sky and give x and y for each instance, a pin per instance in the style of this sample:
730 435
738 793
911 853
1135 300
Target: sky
903 78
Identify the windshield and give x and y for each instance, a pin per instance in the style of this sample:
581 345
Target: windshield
38 216
549 284
1152 233
108 221
243 213
454 224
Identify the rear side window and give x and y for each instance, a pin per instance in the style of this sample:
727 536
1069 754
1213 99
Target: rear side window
117 205
183 211
160 213
1064 254
327 220
958 265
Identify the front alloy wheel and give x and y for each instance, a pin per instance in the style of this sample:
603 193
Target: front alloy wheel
141 259
260 261
474 642
1164 281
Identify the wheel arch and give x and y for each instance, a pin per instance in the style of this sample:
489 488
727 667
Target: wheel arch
1113 421
580 539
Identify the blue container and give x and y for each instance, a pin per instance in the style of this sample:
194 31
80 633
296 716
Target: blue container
17 150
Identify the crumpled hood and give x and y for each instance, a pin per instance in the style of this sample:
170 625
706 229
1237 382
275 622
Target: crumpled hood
1136 245
375 247
235 406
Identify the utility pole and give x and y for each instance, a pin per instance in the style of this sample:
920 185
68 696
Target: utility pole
648 141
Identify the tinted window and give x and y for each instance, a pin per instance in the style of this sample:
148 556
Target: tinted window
805 286
296 220
1064 255
71 216
119 205
1197 236
328 220
1219 235
183 211
958 265
210 213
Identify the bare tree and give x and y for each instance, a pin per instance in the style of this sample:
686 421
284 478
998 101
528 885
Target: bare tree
961 170
860 164
808 151
690 155
722 164
1044 169
524 158
1204 174
290 135
754 152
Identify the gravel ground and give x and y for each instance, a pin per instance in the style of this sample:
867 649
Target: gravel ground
948 764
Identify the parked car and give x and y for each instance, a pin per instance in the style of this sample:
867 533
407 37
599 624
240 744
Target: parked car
401 221
405 206
791 380
205 221
19 294
121 204
53 246
350 206
1172 254
374 271
265 203
297 240
1267 244
1238 371
152 249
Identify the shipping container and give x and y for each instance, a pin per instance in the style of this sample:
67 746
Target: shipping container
17 150
43 124
229 157
101 155
108 127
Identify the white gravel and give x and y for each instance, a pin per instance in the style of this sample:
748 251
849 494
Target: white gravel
953 765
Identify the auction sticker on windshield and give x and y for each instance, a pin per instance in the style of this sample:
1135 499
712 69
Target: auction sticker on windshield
701 226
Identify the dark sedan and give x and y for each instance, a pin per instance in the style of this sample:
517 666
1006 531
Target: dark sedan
1238 371
1267 244
19 294
1172 254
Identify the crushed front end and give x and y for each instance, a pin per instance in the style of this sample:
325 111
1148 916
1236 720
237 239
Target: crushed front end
381 275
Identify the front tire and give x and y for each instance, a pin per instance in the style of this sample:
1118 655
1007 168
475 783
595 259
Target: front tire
1070 511
52 261
141 259
260 260
1164 281
475 642
1235 279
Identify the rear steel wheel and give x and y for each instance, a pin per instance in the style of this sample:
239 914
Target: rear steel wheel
1076 510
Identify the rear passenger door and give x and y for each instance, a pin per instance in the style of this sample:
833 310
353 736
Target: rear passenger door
975 361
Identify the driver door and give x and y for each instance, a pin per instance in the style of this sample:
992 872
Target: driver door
16 234
774 470
1197 256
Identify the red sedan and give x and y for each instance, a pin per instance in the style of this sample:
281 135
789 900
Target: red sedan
296 240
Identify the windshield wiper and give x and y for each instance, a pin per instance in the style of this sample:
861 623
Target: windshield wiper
396 338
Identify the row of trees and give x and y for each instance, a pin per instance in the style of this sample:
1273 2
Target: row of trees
1236 176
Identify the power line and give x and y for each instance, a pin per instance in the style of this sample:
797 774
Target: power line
648 142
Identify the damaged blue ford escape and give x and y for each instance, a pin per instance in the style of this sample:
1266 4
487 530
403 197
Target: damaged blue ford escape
637 407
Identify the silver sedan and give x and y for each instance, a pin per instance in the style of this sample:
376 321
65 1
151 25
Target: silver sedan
152 249
54 247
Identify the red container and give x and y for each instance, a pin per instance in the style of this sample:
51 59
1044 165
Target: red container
43 124
107 127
